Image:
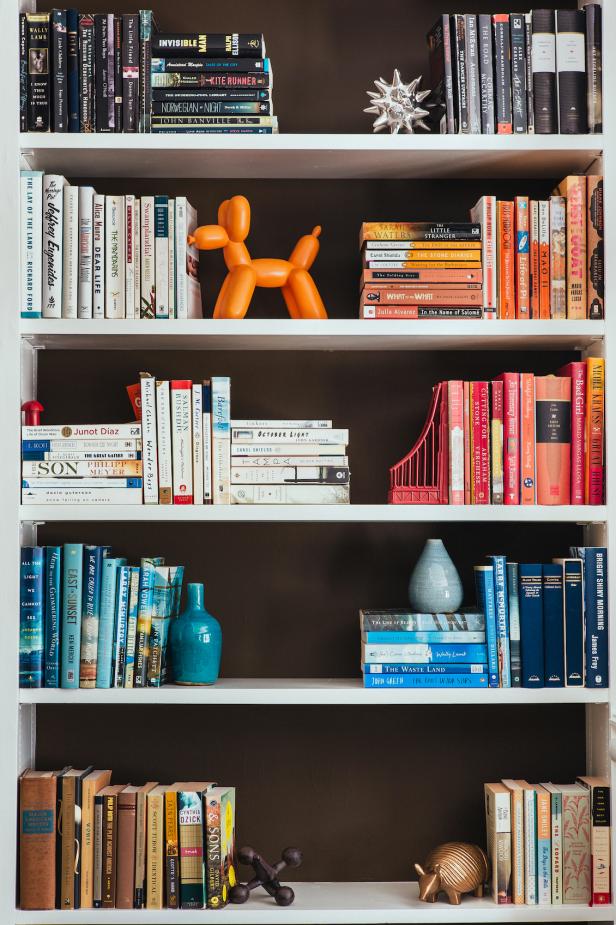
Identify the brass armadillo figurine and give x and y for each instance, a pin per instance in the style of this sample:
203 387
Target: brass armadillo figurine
454 868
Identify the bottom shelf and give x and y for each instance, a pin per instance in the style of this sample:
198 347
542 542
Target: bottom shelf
332 903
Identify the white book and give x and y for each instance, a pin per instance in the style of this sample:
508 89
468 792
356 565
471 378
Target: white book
79 446
260 435
53 212
172 273
70 251
31 243
129 279
194 305
115 257
181 244
163 432
265 462
181 440
64 456
290 494
148 428
81 496
197 442
148 265
89 432
530 844
484 213
207 441
84 278
137 257
497 804
82 482
98 256
283 423
221 439
161 253
556 808
289 475
287 450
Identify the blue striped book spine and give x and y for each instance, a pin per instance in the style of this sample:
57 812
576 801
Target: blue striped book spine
499 564
131 626
70 634
595 605
484 583
423 680
553 626
392 637
391 668
53 592
121 625
531 623
107 621
514 624
31 616
420 653
92 568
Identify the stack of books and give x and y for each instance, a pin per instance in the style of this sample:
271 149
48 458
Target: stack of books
549 844
546 624
517 73
81 464
211 83
85 255
402 649
421 270
89 620
544 259
289 462
119 846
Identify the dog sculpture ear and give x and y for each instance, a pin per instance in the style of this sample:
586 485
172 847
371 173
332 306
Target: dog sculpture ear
237 218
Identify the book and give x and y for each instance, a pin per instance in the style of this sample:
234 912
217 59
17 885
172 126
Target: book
441 73
486 73
206 398
98 256
70 813
92 575
81 495
197 442
553 439
140 843
572 577
484 213
506 259
228 79
70 251
221 444
576 843
219 831
406 636
31 616
502 70
161 255
63 432
544 259
553 625
576 372
30 238
196 65
517 840
120 628
529 798
517 28
150 444
172 850
558 257
148 261
595 277
511 436
544 846
154 883
423 653
534 260
501 601
171 266
130 245
126 828
130 72
556 840
23 73
92 784
181 440
53 603
163 442
496 442
600 853
544 71
72 68
425 680
289 494
528 44
531 624
110 796
497 801
513 601
81 468
594 560
108 599
102 84
423 668
208 45
131 626
291 475
37 839
571 71
522 256
53 211
39 91
574 190
480 442
115 257
595 431
527 439
147 25
594 67
486 600
162 599
459 54
86 73
72 577
419 231
115 68
190 824
472 73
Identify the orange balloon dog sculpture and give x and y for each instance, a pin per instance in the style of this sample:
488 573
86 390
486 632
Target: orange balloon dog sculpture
298 287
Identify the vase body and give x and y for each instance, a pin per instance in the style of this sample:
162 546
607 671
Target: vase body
434 585
196 642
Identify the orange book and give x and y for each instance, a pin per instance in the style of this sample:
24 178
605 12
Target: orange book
574 190
595 277
527 438
553 439
534 259
37 839
595 430
506 260
544 260
522 257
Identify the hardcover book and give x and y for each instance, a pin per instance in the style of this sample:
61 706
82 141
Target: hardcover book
37 839
595 248
498 828
72 584
600 853
53 614
191 820
544 71
125 867
93 783
531 624
553 625
576 844
572 577
553 439
594 559
571 68
573 188
517 841
31 616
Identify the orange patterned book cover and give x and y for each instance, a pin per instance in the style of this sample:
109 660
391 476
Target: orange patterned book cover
553 439
595 251
522 257
527 438
534 259
506 260
544 260
574 190
576 844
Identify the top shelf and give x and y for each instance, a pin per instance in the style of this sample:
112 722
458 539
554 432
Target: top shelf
349 157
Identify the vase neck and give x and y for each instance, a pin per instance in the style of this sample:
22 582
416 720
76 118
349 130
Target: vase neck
195 596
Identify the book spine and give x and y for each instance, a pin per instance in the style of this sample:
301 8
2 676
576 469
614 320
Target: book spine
109 851
486 600
59 86
130 244
484 212
419 680
197 447
553 625
86 73
424 654
221 439
499 566
172 853
70 251
181 282
145 70
207 441
513 600
37 841
31 241
190 819
23 73
120 628
502 69
518 73
76 495
595 598
409 668
130 72
209 45
528 51
534 260
181 440
97 886
577 373
71 615
38 72
530 846
84 285
459 44
522 258
574 190
468 473
144 622
599 840
480 424
571 68
171 265
496 443
517 847
148 264
472 73
92 565
213 839
161 252
53 211
155 874
544 72
455 399
557 848
289 494
131 627
527 438
544 852
558 257
163 435
137 256
486 74
409 637
125 875
67 843
53 590
98 256
104 658
31 616
544 259
149 434
574 622
115 306
594 67
576 848
58 434
506 260
553 439
441 73
72 69
101 72
531 624
595 431
595 282
118 100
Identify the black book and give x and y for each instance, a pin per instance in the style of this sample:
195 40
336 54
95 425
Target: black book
571 72
472 74
101 72
458 39
197 65
59 84
111 38
502 73
118 101
486 73
38 72
441 75
208 45
130 72
23 73
207 80
594 67
72 69
518 73
544 72
239 94
528 48
86 72
147 27
209 108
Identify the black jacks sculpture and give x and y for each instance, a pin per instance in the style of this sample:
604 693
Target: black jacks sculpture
266 876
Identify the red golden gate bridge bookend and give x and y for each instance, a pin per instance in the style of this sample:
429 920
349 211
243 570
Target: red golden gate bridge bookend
421 477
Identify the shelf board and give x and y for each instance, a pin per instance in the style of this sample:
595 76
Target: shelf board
309 691
314 513
334 334
335 904
317 156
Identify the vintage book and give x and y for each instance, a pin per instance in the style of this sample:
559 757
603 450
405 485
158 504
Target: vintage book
219 836
71 614
171 266
522 256
161 255
115 257
97 888
92 575
53 604
181 440
600 853
125 867
502 71
514 624
86 73
221 441
163 442
558 257
149 428
553 625
544 72
31 226
594 248
472 73
131 309
37 839
70 251
172 850
455 416
498 829
197 441
544 846
39 90
573 595
480 442
553 439
155 847
486 74
208 45
571 72
576 372
98 256
109 797
108 599
486 601
130 72
506 259
556 835
528 480
528 46
206 392
70 786
59 77
517 841
511 436
573 188
84 279
496 442
501 600
594 67
518 73
148 263
441 73
531 624
140 843
190 824
72 61
23 73
101 71
544 259
534 259
595 431
147 26
92 784
576 843
595 612
31 616
144 619
485 215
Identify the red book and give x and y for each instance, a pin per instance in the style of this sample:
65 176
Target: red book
553 439
522 258
496 444
455 409
527 438
467 444
480 442
545 289
506 261
511 436
577 374
595 429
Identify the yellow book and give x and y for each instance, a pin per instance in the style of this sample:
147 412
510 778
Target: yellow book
155 842
544 847
454 262
517 841
90 787
172 856
595 430
141 842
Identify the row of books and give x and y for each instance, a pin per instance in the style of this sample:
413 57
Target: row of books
549 844
527 439
518 73
87 843
90 620
107 72
86 255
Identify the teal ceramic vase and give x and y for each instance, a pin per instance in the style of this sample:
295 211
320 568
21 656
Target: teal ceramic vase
196 642
435 586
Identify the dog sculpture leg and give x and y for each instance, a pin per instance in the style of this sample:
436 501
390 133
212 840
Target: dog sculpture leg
290 302
305 295
236 293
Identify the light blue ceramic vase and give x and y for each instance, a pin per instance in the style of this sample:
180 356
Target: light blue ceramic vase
434 585
196 642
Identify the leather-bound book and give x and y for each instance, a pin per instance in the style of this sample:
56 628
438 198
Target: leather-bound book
37 839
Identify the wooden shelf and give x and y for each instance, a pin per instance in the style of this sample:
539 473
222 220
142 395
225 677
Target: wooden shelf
311 156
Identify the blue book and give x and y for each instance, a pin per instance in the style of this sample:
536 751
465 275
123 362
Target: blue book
499 564
72 70
553 626
92 571
144 619
484 584
574 621
121 625
107 621
39 446
421 652
31 616
53 610
514 624
131 626
70 633
407 668
409 637
530 590
425 680
594 560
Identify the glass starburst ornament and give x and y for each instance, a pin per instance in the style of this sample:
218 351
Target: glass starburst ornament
397 105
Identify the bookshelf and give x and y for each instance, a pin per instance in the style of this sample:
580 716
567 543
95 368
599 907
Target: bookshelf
399 736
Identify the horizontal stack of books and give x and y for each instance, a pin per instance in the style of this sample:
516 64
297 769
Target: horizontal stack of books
85 255
81 463
549 844
119 846
289 462
421 270
517 73
546 624
89 620
402 649
544 259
